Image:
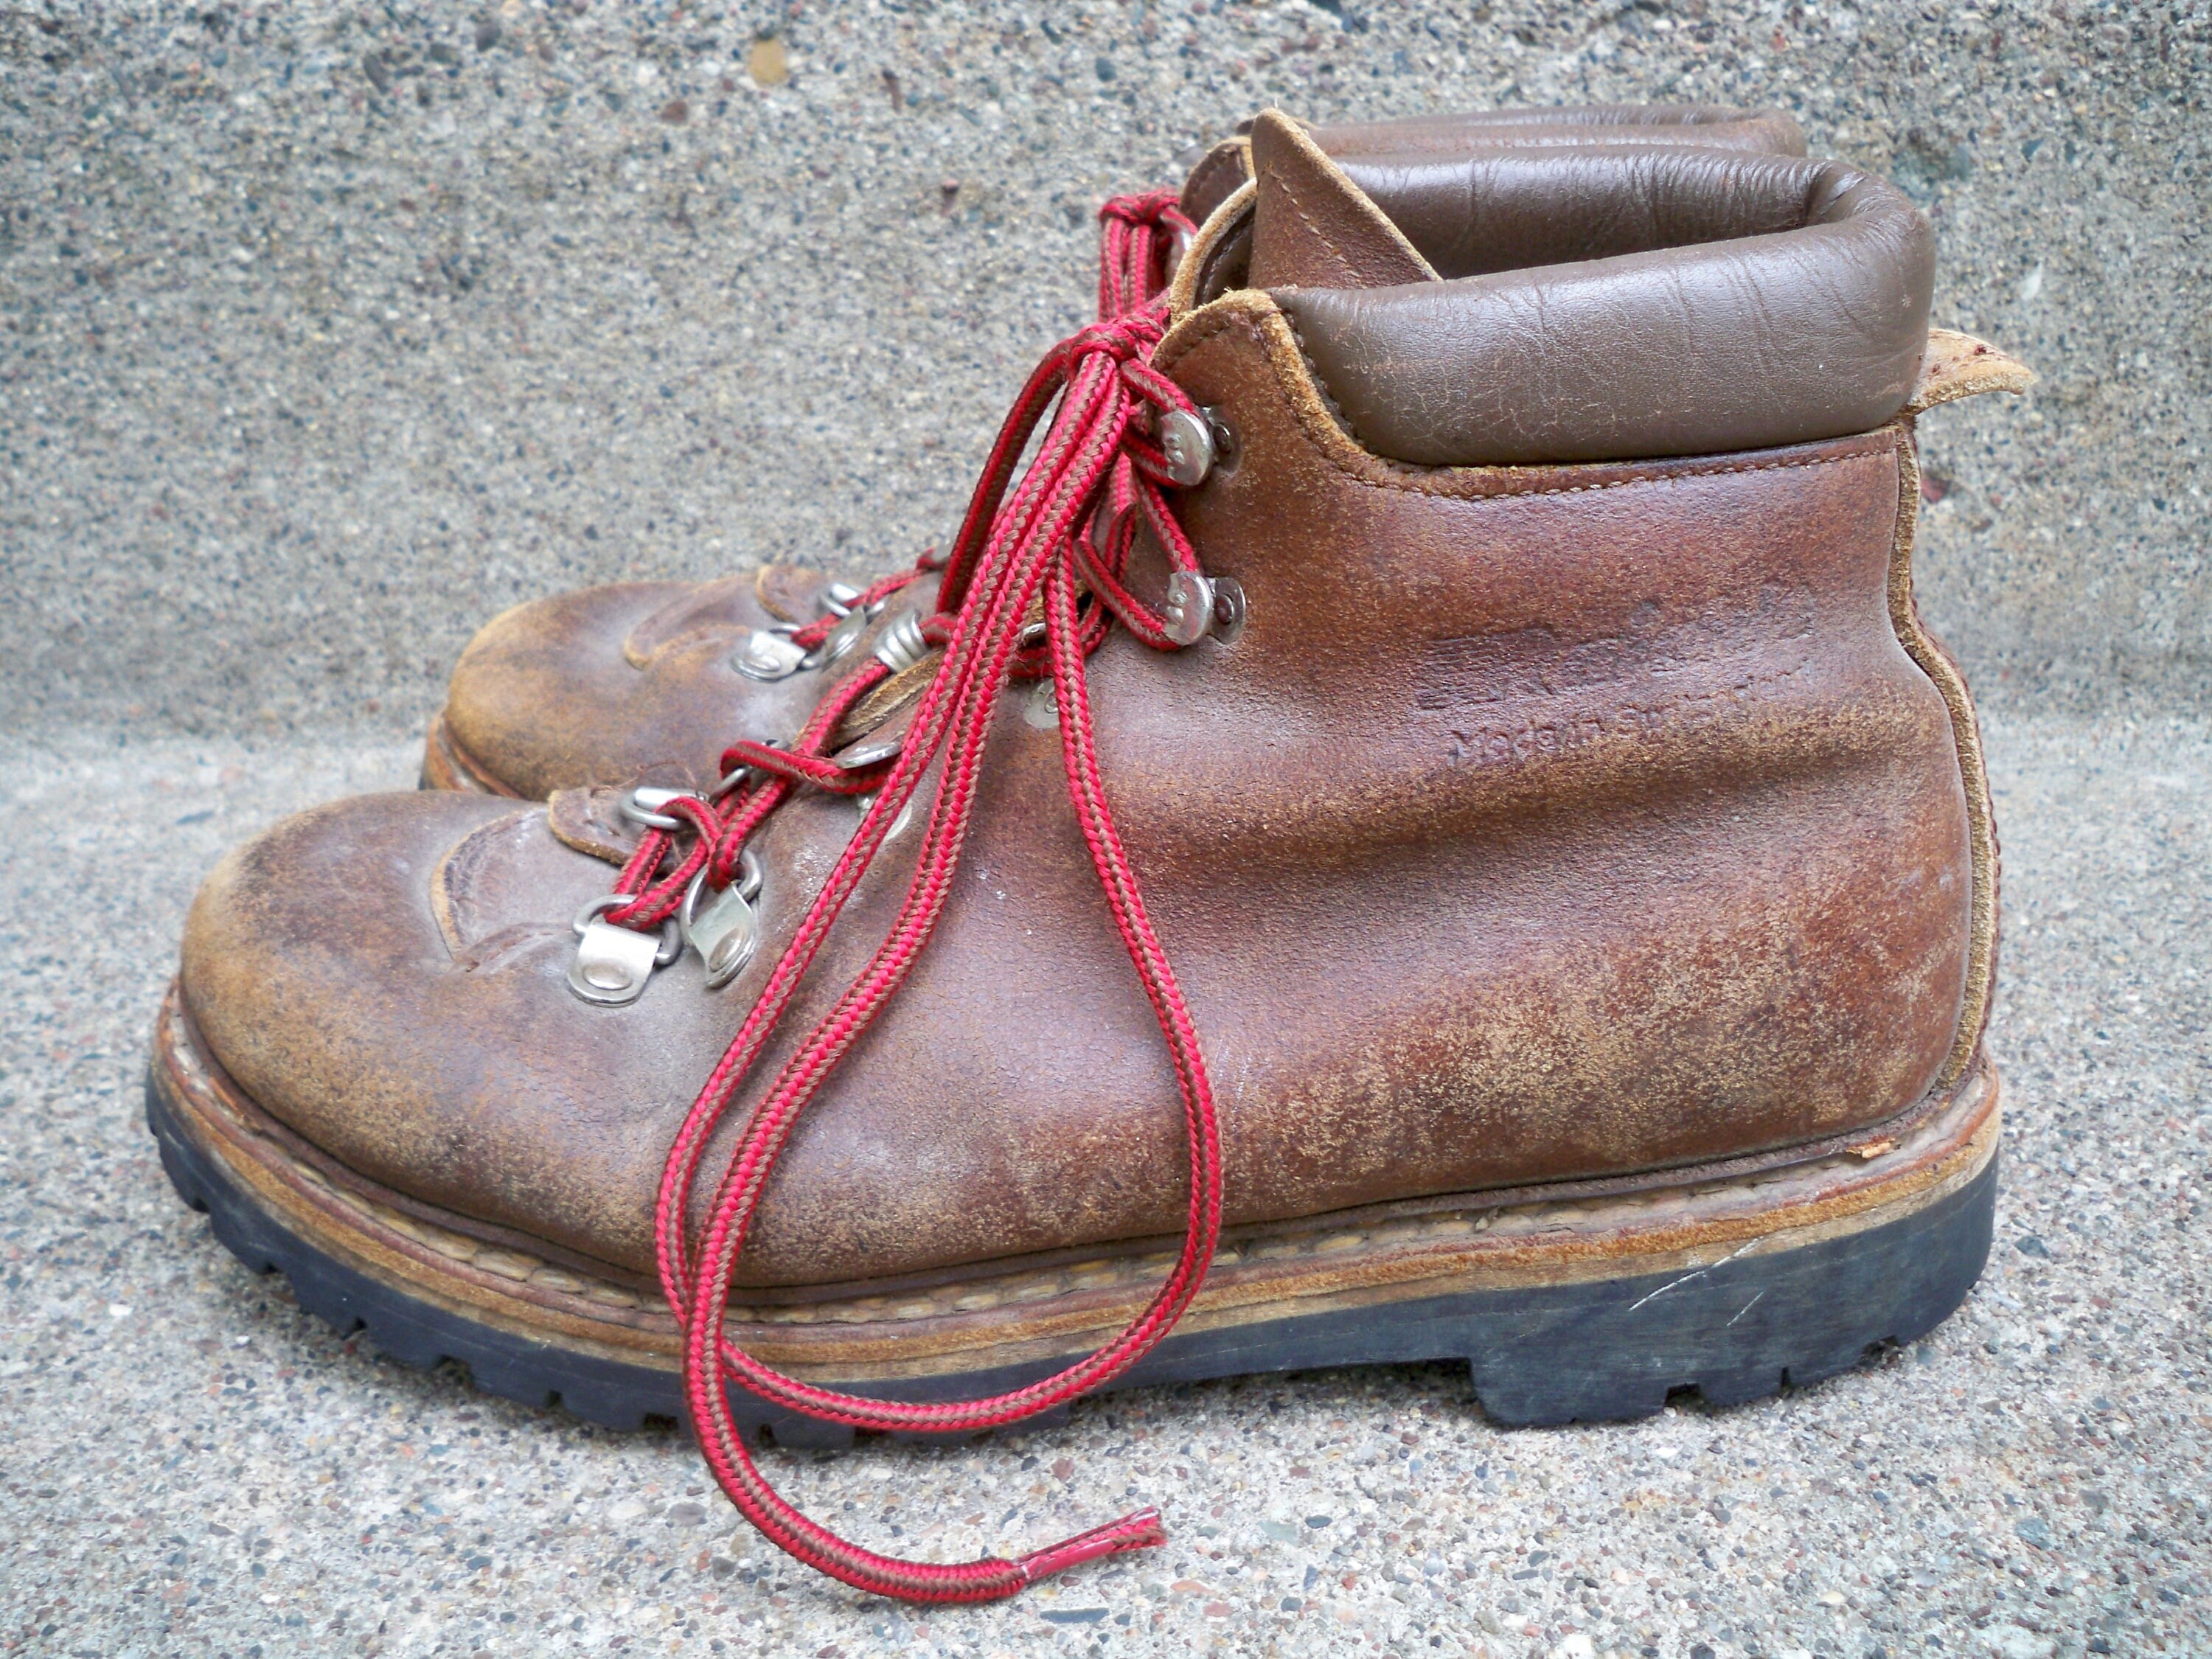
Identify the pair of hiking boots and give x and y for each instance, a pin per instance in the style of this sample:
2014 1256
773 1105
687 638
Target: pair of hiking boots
1422 822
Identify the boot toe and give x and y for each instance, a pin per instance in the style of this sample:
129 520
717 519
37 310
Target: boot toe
545 698
387 977
616 684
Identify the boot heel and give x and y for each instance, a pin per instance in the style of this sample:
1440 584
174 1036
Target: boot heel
1737 1331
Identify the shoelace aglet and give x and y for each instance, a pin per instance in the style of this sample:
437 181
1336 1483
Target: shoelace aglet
1139 1529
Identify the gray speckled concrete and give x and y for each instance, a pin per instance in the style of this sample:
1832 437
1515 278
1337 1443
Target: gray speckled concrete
327 328
192 1466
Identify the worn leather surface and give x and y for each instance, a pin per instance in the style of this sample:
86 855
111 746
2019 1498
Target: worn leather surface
1543 822
1216 172
633 682
1601 303
1715 126
629 683
1312 226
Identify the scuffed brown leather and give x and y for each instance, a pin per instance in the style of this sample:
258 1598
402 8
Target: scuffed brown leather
1625 303
1543 822
789 592
1216 172
1706 126
633 682
626 684
592 821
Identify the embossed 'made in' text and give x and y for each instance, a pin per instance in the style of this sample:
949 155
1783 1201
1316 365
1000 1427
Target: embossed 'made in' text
1542 693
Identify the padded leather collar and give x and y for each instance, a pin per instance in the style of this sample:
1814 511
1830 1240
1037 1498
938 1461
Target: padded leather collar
1615 303
1215 175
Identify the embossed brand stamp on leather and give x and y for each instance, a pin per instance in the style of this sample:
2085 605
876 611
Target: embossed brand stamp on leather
1655 671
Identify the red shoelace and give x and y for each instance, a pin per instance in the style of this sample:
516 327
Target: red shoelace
1134 235
1019 543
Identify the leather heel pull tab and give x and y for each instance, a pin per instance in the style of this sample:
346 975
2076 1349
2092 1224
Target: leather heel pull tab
1312 226
1959 365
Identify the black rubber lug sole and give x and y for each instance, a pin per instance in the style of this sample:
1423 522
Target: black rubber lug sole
1607 1351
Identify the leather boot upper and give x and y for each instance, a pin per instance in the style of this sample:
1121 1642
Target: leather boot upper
1217 172
636 681
1589 304
629 682
1562 819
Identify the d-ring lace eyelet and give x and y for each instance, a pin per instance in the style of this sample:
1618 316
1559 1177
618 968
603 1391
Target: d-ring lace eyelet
642 804
726 932
612 963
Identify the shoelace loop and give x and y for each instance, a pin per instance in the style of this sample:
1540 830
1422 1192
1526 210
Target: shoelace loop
1021 552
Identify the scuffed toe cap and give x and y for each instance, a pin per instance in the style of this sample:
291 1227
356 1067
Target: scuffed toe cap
387 977
547 697
621 684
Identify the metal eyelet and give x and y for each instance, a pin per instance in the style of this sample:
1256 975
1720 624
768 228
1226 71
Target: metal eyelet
1224 437
869 751
727 932
641 804
1186 439
1041 709
902 645
612 965
1228 609
768 656
1200 605
738 774
898 827
838 640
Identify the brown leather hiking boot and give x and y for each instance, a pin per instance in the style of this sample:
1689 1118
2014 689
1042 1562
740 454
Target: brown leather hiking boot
646 681
1477 858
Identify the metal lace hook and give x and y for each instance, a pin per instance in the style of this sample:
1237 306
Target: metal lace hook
642 805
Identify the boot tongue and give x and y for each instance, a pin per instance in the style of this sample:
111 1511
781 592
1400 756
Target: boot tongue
1312 226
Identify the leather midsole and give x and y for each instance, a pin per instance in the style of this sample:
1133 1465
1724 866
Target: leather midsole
1023 1311
446 765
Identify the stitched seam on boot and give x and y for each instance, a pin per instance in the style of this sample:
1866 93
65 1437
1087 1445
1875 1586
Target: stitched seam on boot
636 1309
1336 254
1929 655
